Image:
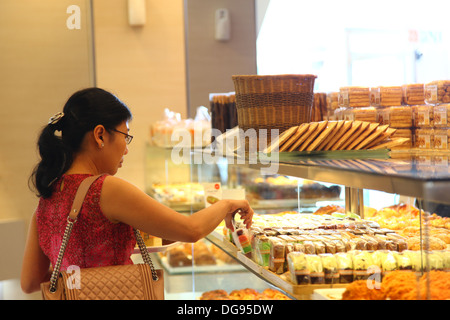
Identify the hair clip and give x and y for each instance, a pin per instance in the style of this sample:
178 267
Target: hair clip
56 118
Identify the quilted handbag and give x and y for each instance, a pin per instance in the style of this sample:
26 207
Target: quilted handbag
120 282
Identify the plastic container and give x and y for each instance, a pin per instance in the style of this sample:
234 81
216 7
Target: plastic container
277 255
316 273
345 267
332 100
368 114
441 114
390 96
404 133
298 268
437 92
424 138
413 94
400 117
423 116
374 97
353 97
330 268
441 138
241 239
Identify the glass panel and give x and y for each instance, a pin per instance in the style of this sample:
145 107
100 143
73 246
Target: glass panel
354 44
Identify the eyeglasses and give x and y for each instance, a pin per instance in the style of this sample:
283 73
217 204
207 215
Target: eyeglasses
128 138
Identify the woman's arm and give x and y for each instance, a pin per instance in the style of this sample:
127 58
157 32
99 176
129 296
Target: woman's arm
121 201
35 265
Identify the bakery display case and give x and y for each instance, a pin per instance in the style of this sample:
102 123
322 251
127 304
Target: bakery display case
352 204
323 250
202 268
180 184
337 251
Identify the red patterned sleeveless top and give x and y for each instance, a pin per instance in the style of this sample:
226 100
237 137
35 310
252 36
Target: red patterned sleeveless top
95 241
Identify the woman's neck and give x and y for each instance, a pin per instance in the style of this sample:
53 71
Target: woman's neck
82 165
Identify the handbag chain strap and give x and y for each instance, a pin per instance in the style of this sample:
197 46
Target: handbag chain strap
65 240
72 218
145 254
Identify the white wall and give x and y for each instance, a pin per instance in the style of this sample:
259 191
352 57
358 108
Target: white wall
41 63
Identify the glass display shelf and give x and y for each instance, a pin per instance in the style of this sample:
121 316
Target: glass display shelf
419 174
424 175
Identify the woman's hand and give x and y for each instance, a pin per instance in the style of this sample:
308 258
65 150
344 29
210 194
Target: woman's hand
242 207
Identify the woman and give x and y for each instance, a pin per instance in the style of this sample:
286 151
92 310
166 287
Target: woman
90 137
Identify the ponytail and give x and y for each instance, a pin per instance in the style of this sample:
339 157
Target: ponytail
56 158
83 111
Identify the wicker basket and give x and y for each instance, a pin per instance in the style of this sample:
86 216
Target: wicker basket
273 101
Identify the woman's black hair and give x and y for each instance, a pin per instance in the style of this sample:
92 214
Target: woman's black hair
83 111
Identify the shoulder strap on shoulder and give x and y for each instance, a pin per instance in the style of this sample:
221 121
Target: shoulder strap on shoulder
80 195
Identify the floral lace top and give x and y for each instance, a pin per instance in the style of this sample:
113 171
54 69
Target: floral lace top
95 241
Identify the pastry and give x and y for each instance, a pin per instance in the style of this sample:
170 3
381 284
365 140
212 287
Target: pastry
364 126
339 135
364 114
437 92
215 295
272 294
371 128
434 243
277 255
440 138
379 130
403 133
323 135
298 268
423 138
244 294
321 126
315 267
400 117
423 116
329 210
345 127
413 94
441 115
282 138
178 257
361 262
202 254
332 101
383 136
330 268
311 129
352 97
339 114
294 137
383 115
331 134
374 97
355 125
345 267
390 96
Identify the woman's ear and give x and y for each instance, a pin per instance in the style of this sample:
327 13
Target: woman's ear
99 132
